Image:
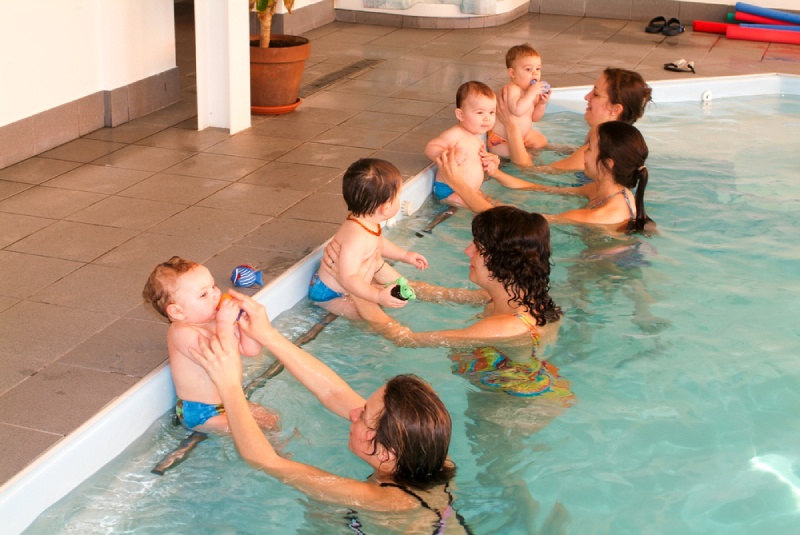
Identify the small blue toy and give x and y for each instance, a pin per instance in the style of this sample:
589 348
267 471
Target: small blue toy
545 86
246 276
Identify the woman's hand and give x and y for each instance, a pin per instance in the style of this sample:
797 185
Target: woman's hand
254 322
219 357
331 253
449 170
489 161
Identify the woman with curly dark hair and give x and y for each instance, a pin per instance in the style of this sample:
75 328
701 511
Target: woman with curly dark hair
509 259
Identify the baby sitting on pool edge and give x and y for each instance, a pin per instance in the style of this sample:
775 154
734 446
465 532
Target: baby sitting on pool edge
185 293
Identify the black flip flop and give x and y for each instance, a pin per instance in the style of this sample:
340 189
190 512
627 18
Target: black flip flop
656 25
673 27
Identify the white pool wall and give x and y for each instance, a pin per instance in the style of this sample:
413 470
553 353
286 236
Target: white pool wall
109 432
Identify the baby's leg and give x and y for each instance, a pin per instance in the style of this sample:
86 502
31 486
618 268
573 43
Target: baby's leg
266 418
535 140
341 306
454 199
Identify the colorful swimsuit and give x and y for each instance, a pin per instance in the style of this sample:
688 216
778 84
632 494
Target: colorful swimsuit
494 140
490 369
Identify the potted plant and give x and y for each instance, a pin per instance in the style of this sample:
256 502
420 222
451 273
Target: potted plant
276 63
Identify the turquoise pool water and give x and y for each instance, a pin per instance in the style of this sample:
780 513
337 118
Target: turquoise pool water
681 349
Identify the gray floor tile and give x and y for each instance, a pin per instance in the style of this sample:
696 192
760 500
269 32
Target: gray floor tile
253 199
174 188
127 346
325 155
73 241
212 224
8 189
254 146
49 202
14 457
186 140
127 212
21 330
104 289
83 150
56 399
7 302
98 179
146 250
296 236
216 166
288 129
323 207
42 272
352 136
126 133
144 158
14 227
287 175
36 170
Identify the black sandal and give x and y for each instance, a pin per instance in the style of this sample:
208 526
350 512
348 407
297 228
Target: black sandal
673 27
656 25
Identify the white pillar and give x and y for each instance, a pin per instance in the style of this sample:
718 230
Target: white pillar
223 64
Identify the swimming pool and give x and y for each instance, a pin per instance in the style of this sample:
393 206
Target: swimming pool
629 401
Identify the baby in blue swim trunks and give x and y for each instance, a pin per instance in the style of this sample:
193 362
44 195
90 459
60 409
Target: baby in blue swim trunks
370 188
475 111
185 293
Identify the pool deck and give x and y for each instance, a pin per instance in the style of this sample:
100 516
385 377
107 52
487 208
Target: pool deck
82 224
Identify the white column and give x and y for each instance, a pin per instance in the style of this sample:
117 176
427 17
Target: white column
223 64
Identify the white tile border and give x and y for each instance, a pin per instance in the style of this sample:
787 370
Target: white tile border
104 436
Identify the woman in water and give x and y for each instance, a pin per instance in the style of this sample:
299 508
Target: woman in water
614 158
402 430
509 259
617 95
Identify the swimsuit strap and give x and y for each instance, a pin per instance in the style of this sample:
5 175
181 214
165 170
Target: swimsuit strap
630 209
532 327
441 520
378 232
601 202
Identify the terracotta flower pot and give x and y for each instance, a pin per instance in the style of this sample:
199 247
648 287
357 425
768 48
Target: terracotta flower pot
275 73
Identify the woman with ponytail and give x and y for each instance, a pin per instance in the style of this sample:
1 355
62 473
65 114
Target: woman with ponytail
615 160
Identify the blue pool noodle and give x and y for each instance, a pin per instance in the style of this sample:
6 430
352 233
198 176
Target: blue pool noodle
788 27
767 12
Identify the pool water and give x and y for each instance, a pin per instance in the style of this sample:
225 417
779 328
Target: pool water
681 349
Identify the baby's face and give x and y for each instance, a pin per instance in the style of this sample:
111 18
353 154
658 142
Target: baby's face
476 113
197 296
525 70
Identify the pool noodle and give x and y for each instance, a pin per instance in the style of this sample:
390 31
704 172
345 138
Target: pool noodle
785 28
767 12
710 27
747 17
757 34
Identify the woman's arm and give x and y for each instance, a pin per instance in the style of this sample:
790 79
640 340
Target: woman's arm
516 144
219 358
332 391
573 162
450 173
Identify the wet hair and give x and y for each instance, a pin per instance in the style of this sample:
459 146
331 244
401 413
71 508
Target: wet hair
519 51
163 281
468 89
628 89
415 426
515 245
368 183
624 145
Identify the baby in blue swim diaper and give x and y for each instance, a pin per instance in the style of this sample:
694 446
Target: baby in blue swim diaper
185 293
475 110
370 188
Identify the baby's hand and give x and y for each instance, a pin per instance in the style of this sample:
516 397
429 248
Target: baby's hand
545 96
385 298
415 259
490 161
228 309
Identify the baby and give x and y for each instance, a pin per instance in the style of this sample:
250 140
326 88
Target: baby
475 111
527 97
370 188
185 293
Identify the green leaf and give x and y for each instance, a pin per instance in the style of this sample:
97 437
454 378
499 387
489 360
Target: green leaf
262 5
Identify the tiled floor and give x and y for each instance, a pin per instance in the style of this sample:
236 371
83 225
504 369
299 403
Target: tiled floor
82 225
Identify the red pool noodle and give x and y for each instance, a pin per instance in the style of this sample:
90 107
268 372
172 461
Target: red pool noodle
757 19
710 27
757 34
